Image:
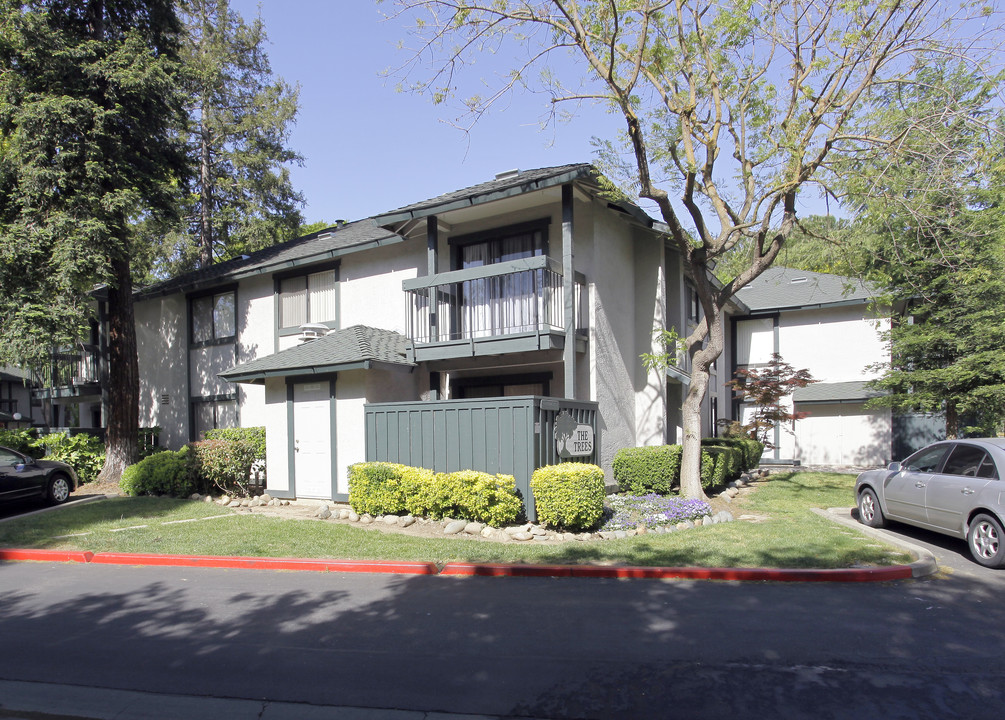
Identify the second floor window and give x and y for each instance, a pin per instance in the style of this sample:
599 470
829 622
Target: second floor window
214 318
307 299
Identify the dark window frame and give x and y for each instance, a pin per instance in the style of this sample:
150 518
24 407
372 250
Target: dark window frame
213 294
481 381
305 273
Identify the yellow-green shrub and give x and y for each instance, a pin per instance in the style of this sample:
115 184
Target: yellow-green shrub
569 495
379 488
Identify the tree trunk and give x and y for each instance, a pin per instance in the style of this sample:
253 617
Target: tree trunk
952 421
124 388
205 195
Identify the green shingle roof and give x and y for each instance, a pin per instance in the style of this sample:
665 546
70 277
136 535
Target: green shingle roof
780 288
836 392
354 347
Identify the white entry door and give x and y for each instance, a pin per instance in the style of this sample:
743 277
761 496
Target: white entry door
312 440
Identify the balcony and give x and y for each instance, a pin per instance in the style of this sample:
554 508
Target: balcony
507 307
70 373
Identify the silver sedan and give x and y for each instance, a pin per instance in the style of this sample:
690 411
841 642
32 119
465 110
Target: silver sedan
956 487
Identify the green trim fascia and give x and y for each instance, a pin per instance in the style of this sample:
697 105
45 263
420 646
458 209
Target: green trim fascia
434 208
539 262
332 435
291 449
299 372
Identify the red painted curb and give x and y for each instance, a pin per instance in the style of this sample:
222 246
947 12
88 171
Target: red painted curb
251 563
47 555
896 572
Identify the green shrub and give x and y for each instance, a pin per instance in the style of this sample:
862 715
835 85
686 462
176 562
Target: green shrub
231 460
478 496
706 471
22 441
378 488
84 453
163 473
750 448
644 470
569 495
720 459
734 460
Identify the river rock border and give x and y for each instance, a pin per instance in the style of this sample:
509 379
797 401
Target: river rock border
527 532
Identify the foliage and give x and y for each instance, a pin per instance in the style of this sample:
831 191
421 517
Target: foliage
254 437
764 388
673 347
84 453
932 214
241 198
379 488
569 495
652 511
90 111
22 440
734 108
750 449
231 462
164 473
644 470
726 463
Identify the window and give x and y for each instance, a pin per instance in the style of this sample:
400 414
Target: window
507 303
970 461
693 305
307 299
212 414
505 386
926 461
214 318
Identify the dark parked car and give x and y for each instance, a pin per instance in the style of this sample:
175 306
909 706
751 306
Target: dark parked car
22 476
956 487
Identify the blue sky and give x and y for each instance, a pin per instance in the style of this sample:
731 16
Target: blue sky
369 148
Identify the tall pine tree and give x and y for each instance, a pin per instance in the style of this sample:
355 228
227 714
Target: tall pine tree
241 198
90 113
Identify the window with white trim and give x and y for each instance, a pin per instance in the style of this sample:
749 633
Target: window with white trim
308 299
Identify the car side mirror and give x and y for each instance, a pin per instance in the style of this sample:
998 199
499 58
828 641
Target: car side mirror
894 467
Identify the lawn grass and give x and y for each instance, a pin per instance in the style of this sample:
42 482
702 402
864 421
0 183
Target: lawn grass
791 536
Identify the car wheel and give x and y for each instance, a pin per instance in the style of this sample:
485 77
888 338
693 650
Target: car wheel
869 511
59 489
987 541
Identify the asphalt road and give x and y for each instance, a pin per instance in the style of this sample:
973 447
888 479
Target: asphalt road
531 648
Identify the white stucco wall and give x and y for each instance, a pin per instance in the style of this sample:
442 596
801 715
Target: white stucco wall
162 342
256 333
370 285
835 344
843 434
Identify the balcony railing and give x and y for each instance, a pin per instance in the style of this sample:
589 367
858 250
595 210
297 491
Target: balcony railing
508 298
69 368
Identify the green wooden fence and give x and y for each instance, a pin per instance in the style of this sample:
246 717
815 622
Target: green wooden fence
508 435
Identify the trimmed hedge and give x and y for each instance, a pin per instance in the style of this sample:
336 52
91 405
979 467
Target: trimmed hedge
569 496
750 449
163 473
379 488
650 469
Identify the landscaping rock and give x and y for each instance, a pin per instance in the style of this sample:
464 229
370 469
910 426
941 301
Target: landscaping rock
407 521
607 535
366 519
390 519
725 516
344 513
538 531
488 532
698 522
324 512
474 528
522 536
195 496
266 498
353 517
620 534
732 492
207 498
641 530
454 527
